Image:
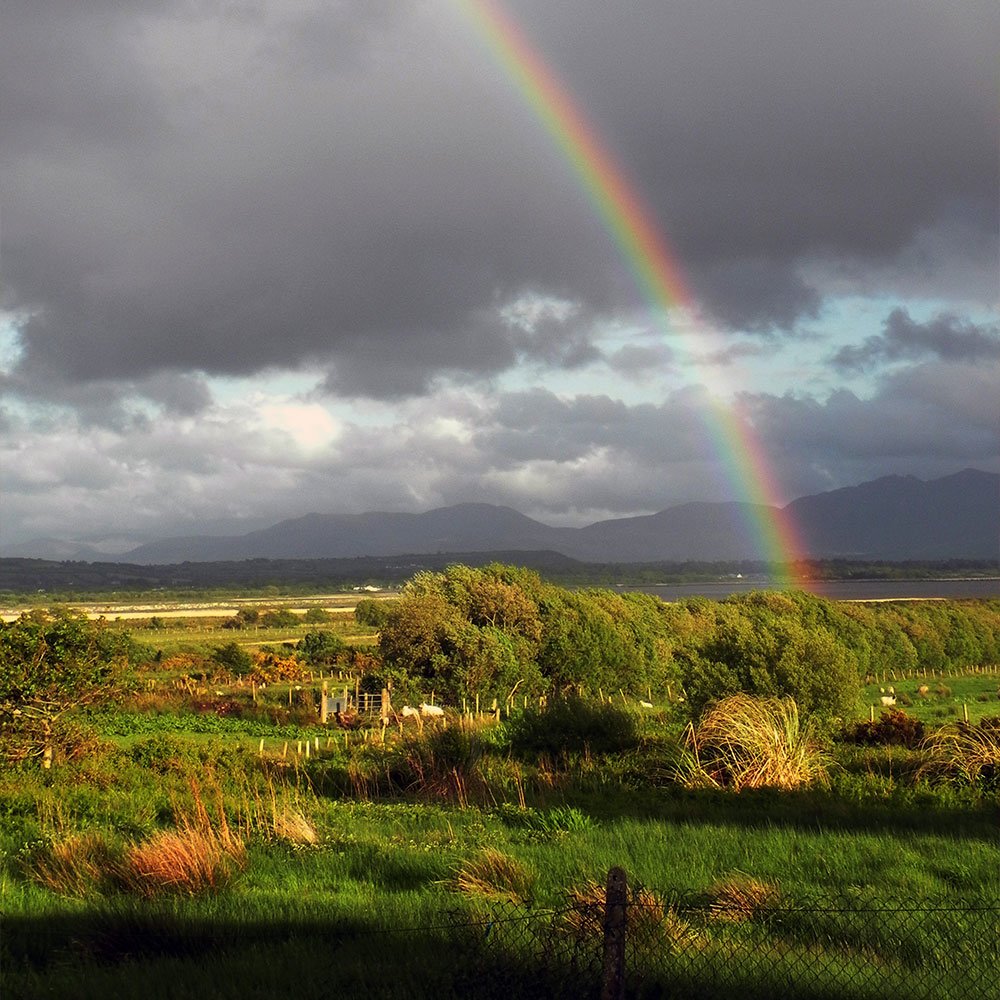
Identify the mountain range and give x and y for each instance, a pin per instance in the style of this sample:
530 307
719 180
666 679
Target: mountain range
892 518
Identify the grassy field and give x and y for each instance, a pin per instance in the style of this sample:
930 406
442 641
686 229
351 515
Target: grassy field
185 843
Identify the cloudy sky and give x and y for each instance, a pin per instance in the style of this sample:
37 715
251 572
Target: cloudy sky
265 257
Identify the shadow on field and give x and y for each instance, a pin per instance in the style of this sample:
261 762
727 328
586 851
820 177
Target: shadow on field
158 956
810 809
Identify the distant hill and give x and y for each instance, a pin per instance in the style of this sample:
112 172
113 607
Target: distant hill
902 517
895 518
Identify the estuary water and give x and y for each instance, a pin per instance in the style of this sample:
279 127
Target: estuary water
836 590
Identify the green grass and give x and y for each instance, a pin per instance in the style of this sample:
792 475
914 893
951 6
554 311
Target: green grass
947 697
371 906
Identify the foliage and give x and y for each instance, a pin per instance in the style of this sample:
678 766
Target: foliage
760 644
234 658
279 618
50 663
368 611
893 728
571 723
322 647
317 616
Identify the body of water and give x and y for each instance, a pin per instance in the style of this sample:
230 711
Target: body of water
837 590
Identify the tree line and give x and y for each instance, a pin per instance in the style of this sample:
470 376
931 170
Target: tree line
500 631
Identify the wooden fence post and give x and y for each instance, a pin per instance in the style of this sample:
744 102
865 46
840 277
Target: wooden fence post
613 976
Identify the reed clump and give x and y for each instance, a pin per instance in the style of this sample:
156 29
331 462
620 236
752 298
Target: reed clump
748 742
198 855
495 875
962 752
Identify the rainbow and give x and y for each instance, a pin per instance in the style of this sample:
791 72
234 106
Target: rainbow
655 269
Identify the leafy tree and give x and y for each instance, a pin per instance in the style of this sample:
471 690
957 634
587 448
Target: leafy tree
244 618
279 618
52 662
317 616
233 657
321 647
368 611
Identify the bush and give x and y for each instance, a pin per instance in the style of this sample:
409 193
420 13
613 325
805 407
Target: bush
234 658
571 723
893 728
321 647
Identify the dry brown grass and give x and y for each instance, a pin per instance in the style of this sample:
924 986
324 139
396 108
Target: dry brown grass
741 897
291 824
76 865
275 814
648 917
747 742
199 855
496 875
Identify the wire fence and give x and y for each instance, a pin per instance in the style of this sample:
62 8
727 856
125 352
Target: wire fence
745 944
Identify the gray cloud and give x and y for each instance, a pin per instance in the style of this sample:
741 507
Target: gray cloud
947 337
232 190
356 193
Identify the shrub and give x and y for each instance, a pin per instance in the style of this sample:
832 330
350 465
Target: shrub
893 728
571 723
317 616
233 657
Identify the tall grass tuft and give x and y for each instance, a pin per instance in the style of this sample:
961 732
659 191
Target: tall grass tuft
741 897
199 855
748 742
496 875
647 916
967 753
76 865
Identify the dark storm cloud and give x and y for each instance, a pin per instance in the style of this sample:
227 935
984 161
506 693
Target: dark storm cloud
192 187
947 338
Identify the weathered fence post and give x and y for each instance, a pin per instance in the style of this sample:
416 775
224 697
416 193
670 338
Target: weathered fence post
613 977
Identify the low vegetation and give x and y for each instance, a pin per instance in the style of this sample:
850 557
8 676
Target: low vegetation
199 832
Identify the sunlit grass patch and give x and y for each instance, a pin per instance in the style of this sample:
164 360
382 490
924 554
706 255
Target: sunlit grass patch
496 875
748 742
969 753
76 865
648 916
199 855
741 897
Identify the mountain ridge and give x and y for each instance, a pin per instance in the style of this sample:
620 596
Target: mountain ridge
893 517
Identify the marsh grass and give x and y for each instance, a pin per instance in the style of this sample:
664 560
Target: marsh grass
968 753
740 897
201 854
496 875
76 865
747 742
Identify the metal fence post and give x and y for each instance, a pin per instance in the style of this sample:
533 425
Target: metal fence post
613 977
